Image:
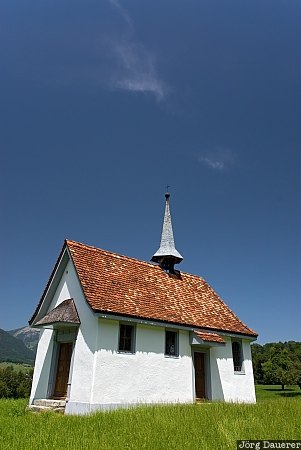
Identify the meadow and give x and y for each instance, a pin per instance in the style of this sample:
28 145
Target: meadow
16 366
205 426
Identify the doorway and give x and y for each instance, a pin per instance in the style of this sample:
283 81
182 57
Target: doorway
200 378
62 370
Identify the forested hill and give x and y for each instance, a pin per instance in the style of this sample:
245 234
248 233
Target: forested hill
14 350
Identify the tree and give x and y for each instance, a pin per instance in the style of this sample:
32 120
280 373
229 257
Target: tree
15 384
277 363
4 391
258 358
282 367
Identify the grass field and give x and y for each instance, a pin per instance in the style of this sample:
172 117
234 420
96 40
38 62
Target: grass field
267 392
16 366
208 426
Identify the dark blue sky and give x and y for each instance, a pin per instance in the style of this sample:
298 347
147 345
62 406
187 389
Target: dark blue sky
103 103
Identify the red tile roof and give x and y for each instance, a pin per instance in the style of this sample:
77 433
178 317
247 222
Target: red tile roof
210 337
126 286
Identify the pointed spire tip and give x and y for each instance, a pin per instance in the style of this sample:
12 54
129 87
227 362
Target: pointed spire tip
167 254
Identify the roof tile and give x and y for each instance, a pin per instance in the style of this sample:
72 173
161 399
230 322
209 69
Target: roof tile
210 337
121 285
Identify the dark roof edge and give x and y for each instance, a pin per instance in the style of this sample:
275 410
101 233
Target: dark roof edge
48 283
188 326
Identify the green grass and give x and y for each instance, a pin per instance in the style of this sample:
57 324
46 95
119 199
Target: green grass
208 426
270 392
16 366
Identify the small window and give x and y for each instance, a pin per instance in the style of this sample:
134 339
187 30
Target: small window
237 356
126 338
171 343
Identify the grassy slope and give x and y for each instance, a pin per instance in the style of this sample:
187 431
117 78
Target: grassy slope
16 366
211 426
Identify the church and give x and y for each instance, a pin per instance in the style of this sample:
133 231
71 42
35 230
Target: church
118 332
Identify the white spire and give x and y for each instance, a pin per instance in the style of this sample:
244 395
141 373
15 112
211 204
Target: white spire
167 255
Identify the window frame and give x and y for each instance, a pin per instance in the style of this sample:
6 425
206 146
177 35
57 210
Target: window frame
237 356
132 338
175 354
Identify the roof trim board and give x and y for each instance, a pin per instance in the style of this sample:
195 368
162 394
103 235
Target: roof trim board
51 285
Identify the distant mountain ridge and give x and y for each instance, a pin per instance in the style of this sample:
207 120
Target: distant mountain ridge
29 336
13 349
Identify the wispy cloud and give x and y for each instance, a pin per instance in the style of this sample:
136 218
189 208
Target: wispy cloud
136 68
218 159
212 163
137 71
122 11
110 57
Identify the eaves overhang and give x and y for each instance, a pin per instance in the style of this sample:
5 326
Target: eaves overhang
56 325
206 339
63 315
155 322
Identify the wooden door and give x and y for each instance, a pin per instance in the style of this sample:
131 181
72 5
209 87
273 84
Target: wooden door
199 367
62 371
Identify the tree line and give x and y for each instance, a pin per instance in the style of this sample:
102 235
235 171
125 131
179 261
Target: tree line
15 383
277 363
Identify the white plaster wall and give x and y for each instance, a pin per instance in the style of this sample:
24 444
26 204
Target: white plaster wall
225 383
147 375
42 366
83 358
84 349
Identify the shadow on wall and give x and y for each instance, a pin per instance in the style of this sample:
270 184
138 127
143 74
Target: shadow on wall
41 390
216 382
221 379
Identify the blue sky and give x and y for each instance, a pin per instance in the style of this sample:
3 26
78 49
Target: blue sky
104 103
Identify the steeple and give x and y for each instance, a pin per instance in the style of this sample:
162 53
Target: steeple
167 255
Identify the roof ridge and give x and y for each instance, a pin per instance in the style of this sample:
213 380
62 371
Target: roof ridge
131 258
115 254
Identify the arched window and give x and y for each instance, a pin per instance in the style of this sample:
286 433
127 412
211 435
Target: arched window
237 356
171 343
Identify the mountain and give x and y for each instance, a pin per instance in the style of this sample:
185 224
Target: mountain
14 350
29 336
